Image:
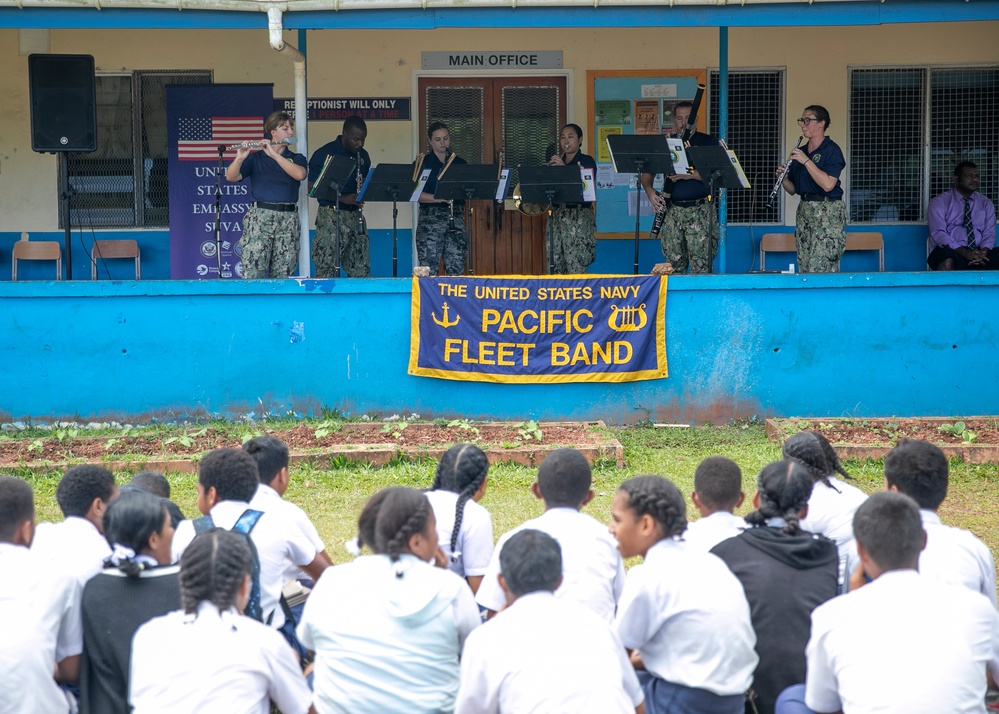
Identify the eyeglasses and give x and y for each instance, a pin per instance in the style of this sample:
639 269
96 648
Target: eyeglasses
805 121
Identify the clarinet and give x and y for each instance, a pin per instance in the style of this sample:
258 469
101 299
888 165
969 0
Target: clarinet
362 224
667 193
772 201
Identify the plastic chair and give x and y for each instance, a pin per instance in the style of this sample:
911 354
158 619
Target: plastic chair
868 241
775 243
106 249
36 250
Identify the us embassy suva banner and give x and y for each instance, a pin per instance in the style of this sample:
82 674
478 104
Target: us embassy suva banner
542 330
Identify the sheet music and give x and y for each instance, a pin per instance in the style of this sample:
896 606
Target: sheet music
504 181
678 155
589 184
420 184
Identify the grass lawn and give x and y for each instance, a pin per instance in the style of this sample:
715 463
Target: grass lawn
334 498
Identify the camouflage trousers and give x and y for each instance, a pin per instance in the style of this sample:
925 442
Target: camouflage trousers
270 243
434 240
820 235
574 241
690 237
355 257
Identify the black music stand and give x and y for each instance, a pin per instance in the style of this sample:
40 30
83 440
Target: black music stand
717 171
335 174
640 154
551 185
467 182
386 182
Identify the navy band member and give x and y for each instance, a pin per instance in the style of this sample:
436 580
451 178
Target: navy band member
820 224
355 255
688 235
434 240
573 232
271 228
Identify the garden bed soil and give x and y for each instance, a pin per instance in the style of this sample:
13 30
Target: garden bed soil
318 444
977 442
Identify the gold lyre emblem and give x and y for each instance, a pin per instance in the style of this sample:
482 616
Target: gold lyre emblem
447 322
627 319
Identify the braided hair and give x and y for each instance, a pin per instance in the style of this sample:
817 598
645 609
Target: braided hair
816 454
461 470
404 513
367 520
657 497
213 568
129 522
784 488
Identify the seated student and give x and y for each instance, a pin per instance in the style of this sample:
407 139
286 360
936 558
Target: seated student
39 612
962 225
833 501
388 629
207 657
592 569
952 555
717 492
77 544
137 584
540 654
904 642
464 528
682 613
157 484
227 480
785 572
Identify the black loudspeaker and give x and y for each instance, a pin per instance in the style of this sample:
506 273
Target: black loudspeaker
63 103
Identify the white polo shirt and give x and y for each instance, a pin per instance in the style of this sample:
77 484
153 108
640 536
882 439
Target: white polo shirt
545 655
708 531
280 544
75 545
956 556
475 537
217 661
830 511
686 613
592 570
266 499
903 643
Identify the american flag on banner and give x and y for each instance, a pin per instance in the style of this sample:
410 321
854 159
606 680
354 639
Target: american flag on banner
200 137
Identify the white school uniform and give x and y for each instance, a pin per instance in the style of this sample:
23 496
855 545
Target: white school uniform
75 545
686 613
544 655
710 530
266 499
592 569
903 643
475 536
830 513
279 543
213 662
956 556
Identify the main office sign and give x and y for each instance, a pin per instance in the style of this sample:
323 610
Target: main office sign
514 59
539 329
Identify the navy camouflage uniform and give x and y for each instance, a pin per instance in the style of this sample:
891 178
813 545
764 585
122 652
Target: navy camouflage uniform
433 239
574 240
820 223
355 251
272 231
689 235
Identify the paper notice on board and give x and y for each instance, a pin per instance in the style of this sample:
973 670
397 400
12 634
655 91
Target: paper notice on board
603 151
608 178
646 116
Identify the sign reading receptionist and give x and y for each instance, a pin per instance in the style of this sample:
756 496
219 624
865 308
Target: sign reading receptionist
339 108
518 59
542 330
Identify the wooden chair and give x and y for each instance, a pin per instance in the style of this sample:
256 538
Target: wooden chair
105 249
775 243
36 250
867 241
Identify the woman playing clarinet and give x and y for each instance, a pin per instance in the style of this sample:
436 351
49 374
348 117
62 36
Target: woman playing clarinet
575 243
440 229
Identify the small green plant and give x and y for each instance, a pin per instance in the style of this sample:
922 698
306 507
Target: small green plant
959 430
37 446
110 443
327 427
186 439
464 425
395 428
64 434
528 430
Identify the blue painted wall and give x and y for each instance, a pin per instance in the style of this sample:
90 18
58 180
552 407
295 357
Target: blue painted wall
738 347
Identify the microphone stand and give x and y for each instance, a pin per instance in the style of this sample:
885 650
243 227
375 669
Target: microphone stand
218 212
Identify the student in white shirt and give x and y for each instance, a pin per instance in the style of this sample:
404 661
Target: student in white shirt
717 493
952 555
39 614
592 569
539 654
903 642
207 657
388 628
683 614
464 528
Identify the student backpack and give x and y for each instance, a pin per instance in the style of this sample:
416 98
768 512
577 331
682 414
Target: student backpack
243 526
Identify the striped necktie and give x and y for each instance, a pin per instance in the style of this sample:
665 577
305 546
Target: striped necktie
969 227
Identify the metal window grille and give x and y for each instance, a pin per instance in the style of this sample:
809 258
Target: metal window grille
531 126
463 110
124 182
756 134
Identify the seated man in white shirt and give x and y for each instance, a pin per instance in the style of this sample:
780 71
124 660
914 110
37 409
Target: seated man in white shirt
541 655
952 555
903 642
227 481
592 569
39 612
717 493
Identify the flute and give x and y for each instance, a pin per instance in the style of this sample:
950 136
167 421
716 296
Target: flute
259 144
